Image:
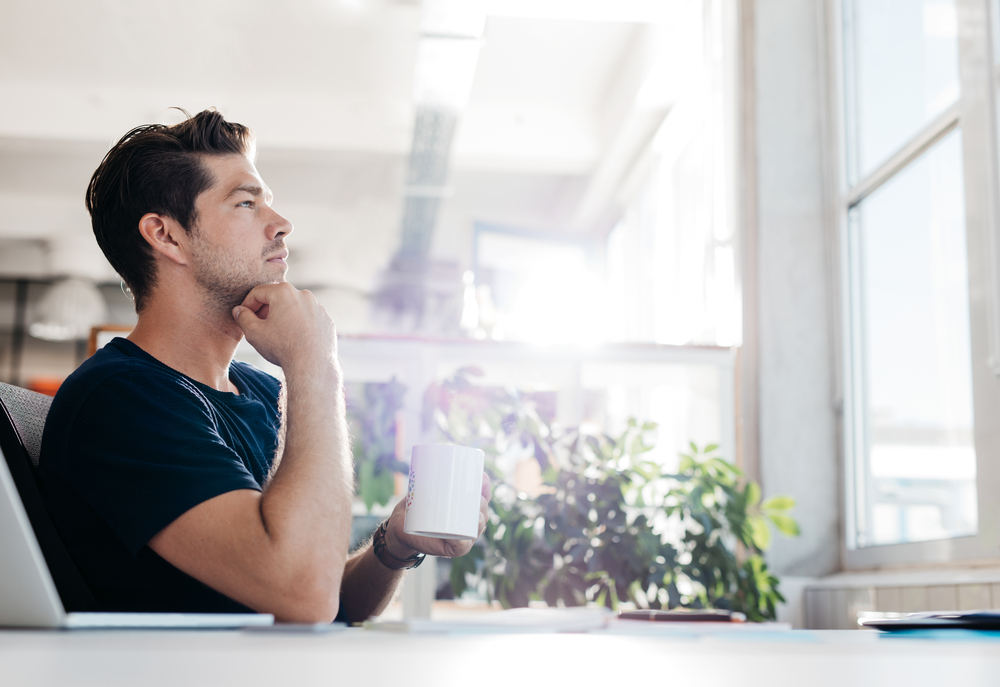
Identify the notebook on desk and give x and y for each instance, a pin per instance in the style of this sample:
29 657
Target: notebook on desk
28 595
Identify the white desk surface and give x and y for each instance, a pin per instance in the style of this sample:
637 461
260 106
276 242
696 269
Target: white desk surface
371 659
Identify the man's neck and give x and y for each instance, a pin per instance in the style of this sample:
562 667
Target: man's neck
196 342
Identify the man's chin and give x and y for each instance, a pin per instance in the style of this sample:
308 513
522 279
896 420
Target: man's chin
276 273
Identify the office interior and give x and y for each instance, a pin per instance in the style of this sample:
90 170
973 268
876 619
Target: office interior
769 226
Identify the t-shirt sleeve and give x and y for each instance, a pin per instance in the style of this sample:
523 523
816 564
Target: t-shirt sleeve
147 449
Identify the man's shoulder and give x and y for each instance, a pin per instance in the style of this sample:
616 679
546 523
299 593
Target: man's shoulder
112 371
122 385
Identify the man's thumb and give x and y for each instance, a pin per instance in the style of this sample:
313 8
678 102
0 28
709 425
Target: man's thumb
239 310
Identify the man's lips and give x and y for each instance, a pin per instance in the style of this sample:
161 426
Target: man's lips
279 257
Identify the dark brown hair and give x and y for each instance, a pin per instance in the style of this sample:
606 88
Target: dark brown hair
155 168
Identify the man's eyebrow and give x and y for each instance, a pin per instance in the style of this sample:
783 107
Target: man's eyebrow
252 189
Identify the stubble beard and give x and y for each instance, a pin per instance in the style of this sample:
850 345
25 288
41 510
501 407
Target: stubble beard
225 283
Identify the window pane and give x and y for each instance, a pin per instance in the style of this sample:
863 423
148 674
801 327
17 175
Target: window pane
538 290
916 470
902 71
672 256
685 401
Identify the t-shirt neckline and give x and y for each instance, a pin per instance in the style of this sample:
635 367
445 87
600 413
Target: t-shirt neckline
133 349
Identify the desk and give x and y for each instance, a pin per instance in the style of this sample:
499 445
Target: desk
367 658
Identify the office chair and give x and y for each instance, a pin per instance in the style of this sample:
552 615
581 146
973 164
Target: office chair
27 411
22 419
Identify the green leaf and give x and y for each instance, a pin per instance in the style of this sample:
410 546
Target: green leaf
686 463
785 524
461 567
760 533
364 487
778 503
752 492
374 486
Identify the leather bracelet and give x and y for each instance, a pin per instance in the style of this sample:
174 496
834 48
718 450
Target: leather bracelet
385 556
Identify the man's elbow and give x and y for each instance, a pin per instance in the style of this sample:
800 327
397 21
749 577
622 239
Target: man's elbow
319 606
309 614
310 598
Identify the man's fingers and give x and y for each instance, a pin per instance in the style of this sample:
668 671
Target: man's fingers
257 301
240 310
258 297
245 318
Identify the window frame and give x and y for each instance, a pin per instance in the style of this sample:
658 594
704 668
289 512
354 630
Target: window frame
974 114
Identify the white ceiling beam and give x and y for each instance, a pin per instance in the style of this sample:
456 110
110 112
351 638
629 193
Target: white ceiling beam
319 120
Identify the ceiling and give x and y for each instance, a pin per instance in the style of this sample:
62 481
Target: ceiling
564 95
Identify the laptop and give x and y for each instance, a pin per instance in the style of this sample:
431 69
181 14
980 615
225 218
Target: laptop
28 595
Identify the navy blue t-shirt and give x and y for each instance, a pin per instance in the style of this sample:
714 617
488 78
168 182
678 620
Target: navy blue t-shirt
131 444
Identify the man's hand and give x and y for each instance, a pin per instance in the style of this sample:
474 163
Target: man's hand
285 324
403 545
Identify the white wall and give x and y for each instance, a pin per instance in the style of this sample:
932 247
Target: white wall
798 445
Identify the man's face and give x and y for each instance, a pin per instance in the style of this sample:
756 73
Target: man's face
237 240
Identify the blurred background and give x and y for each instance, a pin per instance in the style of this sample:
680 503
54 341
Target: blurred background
489 170
548 173
488 160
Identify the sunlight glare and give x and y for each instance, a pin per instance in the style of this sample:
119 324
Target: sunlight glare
559 301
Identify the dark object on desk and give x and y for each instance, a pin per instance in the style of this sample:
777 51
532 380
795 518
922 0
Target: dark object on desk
705 615
966 620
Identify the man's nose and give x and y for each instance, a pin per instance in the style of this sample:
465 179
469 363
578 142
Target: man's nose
278 226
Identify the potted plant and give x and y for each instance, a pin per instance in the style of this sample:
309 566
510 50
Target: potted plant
607 525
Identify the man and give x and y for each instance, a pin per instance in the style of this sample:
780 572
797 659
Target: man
183 481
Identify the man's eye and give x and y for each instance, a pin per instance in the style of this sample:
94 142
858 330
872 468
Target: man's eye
246 204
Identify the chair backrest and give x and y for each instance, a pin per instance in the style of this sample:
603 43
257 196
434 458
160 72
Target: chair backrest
22 419
27 410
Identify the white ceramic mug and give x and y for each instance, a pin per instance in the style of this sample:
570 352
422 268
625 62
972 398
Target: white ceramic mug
445 489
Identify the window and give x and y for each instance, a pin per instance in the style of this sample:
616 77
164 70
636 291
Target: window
672 258
538 289
917 280
548 292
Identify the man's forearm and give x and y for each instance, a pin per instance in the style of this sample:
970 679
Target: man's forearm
306 505
368 586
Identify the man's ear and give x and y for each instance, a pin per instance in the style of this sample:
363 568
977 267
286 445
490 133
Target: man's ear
165 235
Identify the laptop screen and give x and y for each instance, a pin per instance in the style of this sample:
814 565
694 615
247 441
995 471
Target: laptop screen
28 596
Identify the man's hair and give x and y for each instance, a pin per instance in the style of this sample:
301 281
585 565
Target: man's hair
155 168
